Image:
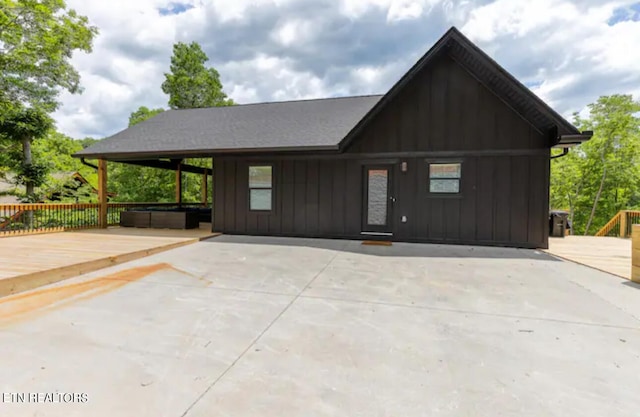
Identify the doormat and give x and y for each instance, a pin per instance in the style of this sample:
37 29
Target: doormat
377 242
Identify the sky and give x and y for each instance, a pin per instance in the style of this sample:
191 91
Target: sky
569 52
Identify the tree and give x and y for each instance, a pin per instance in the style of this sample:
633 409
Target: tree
602 176
143 113
37 40
57 150
23 126
86 142
190 84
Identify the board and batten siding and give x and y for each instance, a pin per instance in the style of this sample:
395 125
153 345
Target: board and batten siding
499 202
443 114
311 198
445 109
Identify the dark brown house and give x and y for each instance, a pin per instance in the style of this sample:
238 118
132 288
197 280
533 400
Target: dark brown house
458 151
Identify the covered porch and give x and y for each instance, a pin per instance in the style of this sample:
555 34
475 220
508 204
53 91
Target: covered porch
179 166
36 218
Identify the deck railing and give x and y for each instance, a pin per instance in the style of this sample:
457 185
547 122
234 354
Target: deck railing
20 219
621 224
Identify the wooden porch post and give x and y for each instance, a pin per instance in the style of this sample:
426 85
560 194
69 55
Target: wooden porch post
102 193
205 184
179 184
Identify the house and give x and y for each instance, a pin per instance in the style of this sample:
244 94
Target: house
457 151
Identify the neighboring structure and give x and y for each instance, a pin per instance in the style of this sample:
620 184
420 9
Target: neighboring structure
67 185
458 151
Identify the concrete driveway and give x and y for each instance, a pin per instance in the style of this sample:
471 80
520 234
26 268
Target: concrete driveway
239 326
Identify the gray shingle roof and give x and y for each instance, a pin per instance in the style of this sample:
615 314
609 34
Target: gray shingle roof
308 124
324 124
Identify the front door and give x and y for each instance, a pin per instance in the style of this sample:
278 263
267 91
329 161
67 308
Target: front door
377 210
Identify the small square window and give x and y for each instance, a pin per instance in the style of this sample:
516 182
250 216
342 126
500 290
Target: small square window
445 178
261 188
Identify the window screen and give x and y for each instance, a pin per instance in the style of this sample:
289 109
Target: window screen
261 187
445 178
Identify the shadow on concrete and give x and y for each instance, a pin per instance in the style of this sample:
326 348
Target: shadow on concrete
632 284
398 249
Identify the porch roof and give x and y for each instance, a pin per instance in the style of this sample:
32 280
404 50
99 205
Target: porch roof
310 125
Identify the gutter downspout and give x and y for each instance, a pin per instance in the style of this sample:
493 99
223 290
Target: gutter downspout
88 164
565 151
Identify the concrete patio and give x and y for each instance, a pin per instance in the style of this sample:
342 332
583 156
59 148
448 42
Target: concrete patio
240 326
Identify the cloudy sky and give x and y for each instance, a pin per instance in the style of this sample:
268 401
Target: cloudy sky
568 52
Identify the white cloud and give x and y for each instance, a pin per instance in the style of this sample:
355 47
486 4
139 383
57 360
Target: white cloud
295 31
570 51
404 10
575 51
516 18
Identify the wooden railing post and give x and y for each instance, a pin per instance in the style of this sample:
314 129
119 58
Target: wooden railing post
102 194
623 223
635 253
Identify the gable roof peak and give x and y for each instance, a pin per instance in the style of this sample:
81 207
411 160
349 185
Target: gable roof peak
493 76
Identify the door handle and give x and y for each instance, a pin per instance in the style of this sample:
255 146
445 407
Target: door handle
393 199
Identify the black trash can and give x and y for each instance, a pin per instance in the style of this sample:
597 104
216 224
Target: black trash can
558 223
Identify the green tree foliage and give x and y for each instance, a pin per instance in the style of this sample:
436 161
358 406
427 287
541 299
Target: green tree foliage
143 113
143 184
37 39
602 176
22 125
7 156
57 150
190 84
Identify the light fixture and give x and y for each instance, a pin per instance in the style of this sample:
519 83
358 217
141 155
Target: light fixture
403 166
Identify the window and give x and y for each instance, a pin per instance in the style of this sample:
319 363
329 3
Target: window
444 178
261 187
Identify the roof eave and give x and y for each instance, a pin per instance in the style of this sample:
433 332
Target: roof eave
202 153
543 107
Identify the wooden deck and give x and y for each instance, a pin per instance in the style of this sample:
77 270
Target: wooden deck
608 254
27 262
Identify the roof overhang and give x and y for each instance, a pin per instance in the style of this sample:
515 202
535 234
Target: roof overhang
569 141
202 153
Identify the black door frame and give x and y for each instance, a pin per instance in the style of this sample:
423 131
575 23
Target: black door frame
388 229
